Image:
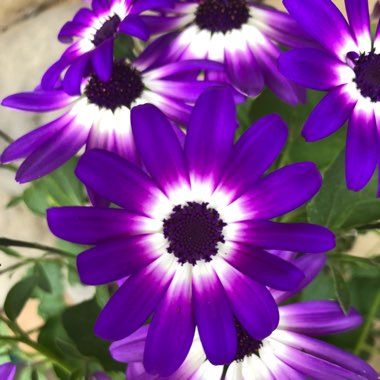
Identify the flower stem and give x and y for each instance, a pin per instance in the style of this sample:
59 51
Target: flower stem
368 324
19 243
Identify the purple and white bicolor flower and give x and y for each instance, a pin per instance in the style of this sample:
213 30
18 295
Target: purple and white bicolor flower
238 33
94 30
193 231
7 371
347 66
100 116
290 352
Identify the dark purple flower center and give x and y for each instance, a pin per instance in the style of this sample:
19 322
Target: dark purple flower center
221 15
107 30
367 70
247 346
124 86
193 232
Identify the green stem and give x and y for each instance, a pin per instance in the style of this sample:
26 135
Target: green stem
9 167
5 137
22 337
19 243
368 324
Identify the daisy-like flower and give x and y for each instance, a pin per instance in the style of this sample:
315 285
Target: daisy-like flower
100 116
238 33
94 30
290 352
347 66
7 371
191 236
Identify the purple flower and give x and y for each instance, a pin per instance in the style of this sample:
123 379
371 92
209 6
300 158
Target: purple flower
100 116
192 235
95 30
7 371
237 33
347 66
290 352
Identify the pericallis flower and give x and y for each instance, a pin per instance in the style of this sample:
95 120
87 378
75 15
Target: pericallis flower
95 30
347 66
290 352
100 116
238 33
7 371
192 231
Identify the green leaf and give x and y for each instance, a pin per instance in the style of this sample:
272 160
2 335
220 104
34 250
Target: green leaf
14 201
79 321
59 188
337 207
42 278
51 303
342 292
18 295
10 252
34 374
102 295
322 288
124 47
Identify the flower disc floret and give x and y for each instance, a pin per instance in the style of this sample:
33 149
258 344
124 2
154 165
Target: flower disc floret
367 71
193 232
124 87
107 30
247 346
221 15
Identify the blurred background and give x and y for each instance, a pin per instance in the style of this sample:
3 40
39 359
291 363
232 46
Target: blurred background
28 45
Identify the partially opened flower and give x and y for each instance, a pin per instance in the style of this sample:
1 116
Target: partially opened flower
347 66
94 30
192 231
238 33
290 352
7 371
100 116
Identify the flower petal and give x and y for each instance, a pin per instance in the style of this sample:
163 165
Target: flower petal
251 303
38 101
134 26
135 300
358 17
264 267
118 258
296 237
171 331
329 115
119 181
7 371
131 348
314 69
311 266
316 358
322 20
254 153
241 65
159 147
280 192
210 134
213 315
102 59
317 318
74 75
362 149
90 225
54 152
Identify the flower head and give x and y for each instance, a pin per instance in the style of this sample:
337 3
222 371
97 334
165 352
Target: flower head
94 30
347 66
192 233
290 352
238 33
7 371
100 116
